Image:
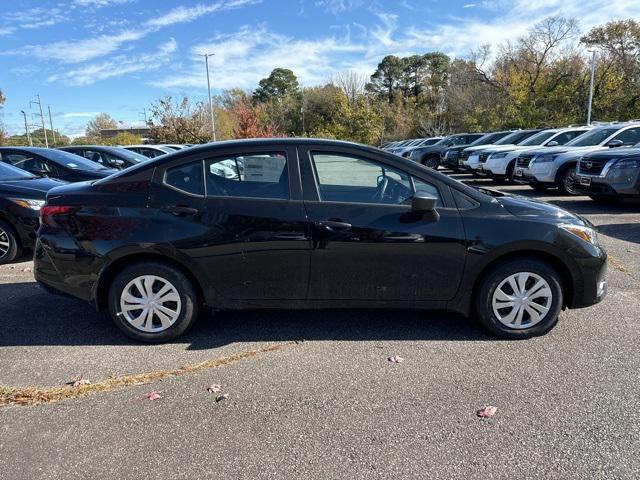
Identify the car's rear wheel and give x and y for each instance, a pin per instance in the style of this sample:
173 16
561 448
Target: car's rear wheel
431 162
9 244
520 299
153 302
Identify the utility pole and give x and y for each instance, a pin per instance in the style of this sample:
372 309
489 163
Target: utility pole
26 128
44 130
213 115
53 132
593 71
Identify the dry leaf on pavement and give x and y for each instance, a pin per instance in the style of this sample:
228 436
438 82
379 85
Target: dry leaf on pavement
487 412
396 359
214 388
153 395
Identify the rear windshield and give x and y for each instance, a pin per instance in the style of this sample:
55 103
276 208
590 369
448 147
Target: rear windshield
70 160
9 172
593 137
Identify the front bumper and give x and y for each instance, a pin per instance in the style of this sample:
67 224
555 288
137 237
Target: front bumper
620 185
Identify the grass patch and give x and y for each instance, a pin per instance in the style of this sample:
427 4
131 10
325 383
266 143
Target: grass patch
28 396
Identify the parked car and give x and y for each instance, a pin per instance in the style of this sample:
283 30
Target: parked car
466 150
499 162
21 196
451 155
150 151
430 156
49 162
556 166
610 174
172 146
109 157
422 142
342 225
514 138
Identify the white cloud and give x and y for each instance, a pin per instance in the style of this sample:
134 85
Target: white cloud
188 14
98 3
78 115
339 6
118 66
469 5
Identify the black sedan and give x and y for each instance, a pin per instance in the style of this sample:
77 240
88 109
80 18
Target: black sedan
49 162
109 157
309 223
21 196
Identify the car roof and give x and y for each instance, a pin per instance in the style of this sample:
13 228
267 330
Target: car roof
28 149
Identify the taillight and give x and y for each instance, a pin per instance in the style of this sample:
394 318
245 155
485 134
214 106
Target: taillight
48 212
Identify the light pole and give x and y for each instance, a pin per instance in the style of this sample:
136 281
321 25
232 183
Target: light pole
213 115
26 128
593 71
53 132
44 130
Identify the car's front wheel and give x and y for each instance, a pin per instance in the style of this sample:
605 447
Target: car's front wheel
568 181
153 302
9 245
431 162
520 299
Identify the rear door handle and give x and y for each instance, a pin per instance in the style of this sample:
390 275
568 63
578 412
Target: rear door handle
180 210
333 225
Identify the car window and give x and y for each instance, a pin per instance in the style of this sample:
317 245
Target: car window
253 175
565 137
593 137
629 137
187 178
9 172
537 139
30 163
350 179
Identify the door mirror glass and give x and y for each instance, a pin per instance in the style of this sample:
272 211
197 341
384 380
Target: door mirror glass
552 143
615 143
423 203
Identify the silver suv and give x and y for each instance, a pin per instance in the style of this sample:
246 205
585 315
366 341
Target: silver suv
556 166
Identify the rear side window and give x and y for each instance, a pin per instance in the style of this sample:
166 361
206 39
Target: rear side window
630 136
186 178
252 175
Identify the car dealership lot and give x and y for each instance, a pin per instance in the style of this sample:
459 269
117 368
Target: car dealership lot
332 405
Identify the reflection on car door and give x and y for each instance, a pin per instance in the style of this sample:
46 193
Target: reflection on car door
368 245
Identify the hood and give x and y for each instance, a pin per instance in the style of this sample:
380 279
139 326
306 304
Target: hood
502 148
526 207
430 148
458 148
610 153
562 149
35 188
96 174
484 147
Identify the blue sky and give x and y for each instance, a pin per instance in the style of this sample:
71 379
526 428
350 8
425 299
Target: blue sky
117 56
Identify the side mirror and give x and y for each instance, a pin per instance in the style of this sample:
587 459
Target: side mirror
552 143
615 143
423 203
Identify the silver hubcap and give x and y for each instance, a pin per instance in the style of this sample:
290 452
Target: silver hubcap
522 300
4 243
150 303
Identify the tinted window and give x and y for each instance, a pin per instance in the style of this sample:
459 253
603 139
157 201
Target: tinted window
630 136
254 175
537 139
344 178
489 138
566 137
593 137
69 160
514 137
9 172
31 163
187 178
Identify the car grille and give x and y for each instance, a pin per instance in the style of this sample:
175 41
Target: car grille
482 158
524 161
591 166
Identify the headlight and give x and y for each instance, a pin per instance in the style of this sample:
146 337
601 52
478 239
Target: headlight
620 164
498 155
587 234
28 203
547 157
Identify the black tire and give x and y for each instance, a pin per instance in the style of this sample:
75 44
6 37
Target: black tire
567 181
431 161
511 169
190 305
492 280
8 253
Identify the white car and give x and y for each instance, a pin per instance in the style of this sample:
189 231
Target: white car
556 166
473 153
499 162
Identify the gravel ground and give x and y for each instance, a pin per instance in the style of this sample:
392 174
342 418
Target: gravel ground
328 404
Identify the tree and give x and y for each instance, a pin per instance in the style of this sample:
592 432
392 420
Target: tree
279 83
123 138
249 124
179 121
351 83
101 122
387 77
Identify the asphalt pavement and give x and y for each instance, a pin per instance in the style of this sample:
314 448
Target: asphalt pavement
325 402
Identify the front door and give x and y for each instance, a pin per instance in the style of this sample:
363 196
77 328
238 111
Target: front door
367 243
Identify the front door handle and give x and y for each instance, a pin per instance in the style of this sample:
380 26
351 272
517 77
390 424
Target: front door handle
179 210
332 225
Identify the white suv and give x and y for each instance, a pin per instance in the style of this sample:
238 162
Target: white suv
473 153
500 161
556 166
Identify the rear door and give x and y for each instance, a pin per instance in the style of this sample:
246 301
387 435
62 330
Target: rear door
367 243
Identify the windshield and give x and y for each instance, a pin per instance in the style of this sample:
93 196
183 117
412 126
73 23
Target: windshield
509 139
489 138
70 160
9 172
593 137
129 155
538 138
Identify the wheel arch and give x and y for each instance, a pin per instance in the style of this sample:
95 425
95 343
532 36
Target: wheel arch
101 291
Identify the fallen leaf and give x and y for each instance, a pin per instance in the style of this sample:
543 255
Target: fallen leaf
77 380
153 395
28 269
214 388
224 396
487 412
396 359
